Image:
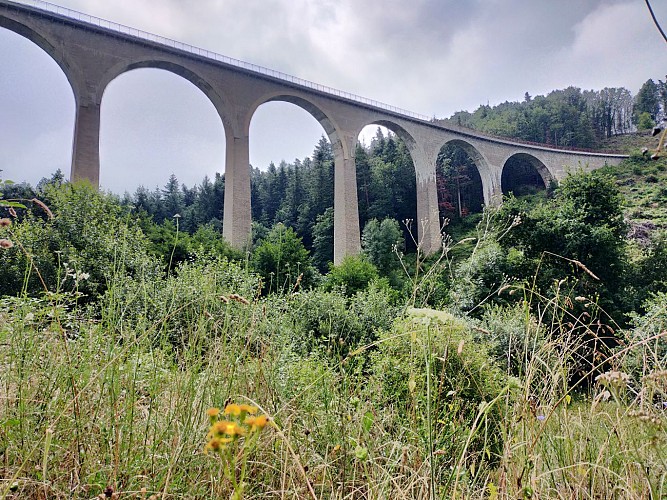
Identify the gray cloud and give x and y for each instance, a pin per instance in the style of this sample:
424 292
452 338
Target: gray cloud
431 56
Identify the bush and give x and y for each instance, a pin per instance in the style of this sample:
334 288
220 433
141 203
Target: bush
513 336
202 300
432 352
355 273
90 240
334 324
282 261
647 340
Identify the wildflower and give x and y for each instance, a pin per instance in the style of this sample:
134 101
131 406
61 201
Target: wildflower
215 444
233 409
229 428
250 409
5 243
213 412
656 376
5 222
256 423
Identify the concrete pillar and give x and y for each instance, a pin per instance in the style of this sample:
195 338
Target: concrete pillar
347 239
428 214
428 217
495 195
237 214
86 144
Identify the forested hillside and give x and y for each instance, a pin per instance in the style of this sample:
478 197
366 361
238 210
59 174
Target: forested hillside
571 117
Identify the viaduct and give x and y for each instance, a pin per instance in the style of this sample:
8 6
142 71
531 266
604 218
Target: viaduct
92 52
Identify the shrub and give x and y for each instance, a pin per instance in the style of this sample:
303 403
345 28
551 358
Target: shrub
513 336
90 240
282 261
647 341
334 324
355 273
379 241
202 300
433 353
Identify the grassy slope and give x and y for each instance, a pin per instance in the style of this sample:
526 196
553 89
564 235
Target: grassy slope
642 181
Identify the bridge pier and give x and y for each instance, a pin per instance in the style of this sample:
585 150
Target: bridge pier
347 237
86 143
424 156
237 213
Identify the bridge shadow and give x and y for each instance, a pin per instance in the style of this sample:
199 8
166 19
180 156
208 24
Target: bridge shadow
524 174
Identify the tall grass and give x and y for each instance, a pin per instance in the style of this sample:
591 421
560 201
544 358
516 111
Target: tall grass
110 399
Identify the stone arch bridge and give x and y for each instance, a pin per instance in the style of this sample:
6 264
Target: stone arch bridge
92 52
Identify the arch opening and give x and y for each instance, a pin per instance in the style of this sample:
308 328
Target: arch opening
459 184
38 102
162 139
292 174
386 179
523 175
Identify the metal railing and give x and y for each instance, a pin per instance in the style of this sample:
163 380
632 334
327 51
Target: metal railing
144 35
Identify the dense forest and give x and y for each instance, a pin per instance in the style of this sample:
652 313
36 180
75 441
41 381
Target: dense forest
142 356
571 117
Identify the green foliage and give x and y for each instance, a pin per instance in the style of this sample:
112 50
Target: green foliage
433 354
645 122
90 240
323 240
567 117
647 100
282 261
647 341
333 324
514 337
480 276
578 233
187 308
355 273
380 242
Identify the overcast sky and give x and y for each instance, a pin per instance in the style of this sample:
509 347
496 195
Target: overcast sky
433 57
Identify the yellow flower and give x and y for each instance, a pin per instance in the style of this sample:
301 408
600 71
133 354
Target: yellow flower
229 428
233 409
215 444
256 423
212 415
248 409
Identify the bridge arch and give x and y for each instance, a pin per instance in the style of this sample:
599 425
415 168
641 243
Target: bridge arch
197 80
459 180
152 117
483 166
346 213
327 122
390 189
523 172
47 46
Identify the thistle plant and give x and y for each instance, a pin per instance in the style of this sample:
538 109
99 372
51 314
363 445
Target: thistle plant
233 437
